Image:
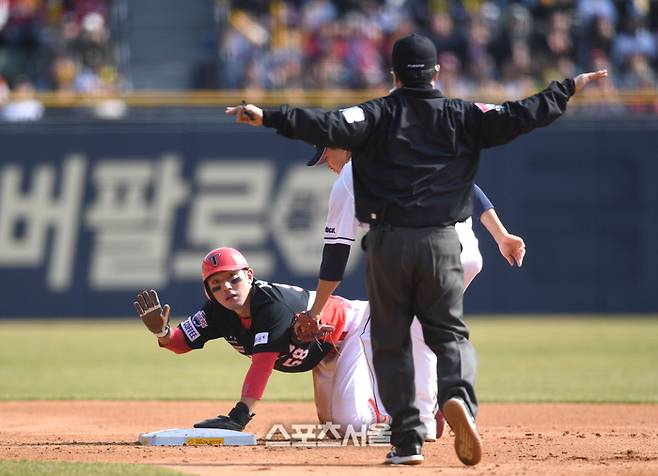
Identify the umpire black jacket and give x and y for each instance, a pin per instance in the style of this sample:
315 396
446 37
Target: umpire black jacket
415 152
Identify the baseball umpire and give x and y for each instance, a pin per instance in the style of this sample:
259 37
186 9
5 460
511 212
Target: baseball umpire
340 232
415 154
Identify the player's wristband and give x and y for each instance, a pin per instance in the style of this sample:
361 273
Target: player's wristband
164 332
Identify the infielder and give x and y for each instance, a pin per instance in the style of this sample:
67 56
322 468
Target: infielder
341 232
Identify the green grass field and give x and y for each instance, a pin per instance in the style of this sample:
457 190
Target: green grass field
532 360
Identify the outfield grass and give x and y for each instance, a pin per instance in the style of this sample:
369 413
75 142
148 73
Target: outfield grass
567 360
48 468
557 360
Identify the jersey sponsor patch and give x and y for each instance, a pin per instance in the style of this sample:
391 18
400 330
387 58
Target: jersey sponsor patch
199 320
484 107
353 114
189 329
261 338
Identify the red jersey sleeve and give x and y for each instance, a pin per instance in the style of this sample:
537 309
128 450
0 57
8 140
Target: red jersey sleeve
258 374
177 343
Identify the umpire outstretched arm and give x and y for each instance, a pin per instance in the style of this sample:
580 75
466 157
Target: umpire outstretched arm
350 128
345 129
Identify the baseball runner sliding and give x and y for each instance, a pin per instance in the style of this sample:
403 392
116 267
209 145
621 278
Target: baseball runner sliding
263 321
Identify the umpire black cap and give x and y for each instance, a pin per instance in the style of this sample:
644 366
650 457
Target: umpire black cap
413 53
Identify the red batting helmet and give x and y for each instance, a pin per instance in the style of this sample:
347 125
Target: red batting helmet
222 259
218 260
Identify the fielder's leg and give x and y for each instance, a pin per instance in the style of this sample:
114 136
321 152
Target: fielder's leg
353 400
425 381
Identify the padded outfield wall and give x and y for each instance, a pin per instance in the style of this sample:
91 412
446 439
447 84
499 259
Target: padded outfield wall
91 212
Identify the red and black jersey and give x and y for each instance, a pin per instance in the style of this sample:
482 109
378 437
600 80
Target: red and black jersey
273 307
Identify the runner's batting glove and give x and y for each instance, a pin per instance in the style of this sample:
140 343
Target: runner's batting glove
236 420
155 318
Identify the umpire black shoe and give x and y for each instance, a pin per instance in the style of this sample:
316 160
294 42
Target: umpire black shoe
468 444
407 455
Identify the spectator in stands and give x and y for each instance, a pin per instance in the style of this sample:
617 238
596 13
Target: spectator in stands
22 46
345 43
638 74
597 34
451 81
632 39
448 38
505 47
22 105
4 13
64 72
4 91
516 74
38 34
589 9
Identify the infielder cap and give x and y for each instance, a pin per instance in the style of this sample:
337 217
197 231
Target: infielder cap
413 53
222 259
319 157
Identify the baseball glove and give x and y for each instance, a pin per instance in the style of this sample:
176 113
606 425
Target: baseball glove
236 420
306 328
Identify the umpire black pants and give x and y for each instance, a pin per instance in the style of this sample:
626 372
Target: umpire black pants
417 271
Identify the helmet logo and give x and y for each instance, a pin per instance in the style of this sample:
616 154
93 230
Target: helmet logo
214 259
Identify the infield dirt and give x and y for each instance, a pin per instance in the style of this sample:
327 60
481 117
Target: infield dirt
519 439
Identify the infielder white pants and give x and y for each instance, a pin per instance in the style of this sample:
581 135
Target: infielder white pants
345 385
